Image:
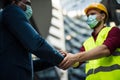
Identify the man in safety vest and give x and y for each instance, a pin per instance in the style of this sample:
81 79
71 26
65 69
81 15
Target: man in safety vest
101 51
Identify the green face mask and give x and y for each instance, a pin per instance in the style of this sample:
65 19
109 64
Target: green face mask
28 11
92 21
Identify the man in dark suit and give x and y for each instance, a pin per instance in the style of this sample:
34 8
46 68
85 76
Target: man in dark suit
17 40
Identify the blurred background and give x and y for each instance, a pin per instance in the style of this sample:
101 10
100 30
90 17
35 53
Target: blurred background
62 24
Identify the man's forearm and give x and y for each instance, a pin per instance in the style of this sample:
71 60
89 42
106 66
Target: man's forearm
100 51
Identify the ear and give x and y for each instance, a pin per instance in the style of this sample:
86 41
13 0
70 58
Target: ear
103 15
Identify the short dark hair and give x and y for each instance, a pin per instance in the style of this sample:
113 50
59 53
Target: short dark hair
8 2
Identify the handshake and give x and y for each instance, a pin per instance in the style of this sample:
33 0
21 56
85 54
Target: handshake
70 60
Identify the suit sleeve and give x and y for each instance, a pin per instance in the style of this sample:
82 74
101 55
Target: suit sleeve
16 22
39 65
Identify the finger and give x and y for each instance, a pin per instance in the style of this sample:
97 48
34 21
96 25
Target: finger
64 60
63 53
65 65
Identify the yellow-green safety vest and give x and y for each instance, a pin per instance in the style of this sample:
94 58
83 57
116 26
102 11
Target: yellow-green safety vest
105 68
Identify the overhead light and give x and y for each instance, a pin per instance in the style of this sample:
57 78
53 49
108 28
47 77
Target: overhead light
68 37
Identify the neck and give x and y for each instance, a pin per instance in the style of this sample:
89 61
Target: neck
98 28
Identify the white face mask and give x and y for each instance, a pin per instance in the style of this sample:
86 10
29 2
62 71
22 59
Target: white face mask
92 21
28 11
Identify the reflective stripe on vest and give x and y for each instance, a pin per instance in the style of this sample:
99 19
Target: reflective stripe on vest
101 68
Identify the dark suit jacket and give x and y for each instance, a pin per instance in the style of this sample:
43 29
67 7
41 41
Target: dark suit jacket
17 40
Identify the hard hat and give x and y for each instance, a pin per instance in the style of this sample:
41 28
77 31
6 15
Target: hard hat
97 6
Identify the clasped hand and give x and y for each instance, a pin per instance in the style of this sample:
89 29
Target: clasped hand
68 61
